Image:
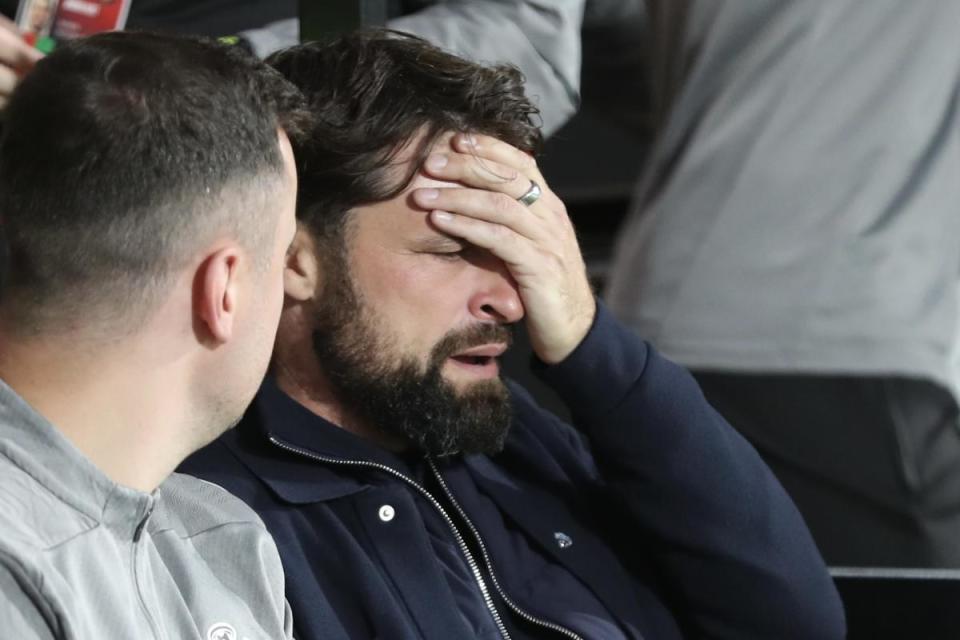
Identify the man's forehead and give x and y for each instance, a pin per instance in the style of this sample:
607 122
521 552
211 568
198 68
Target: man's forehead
409 151
400 215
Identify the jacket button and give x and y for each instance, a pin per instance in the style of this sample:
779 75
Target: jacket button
386 513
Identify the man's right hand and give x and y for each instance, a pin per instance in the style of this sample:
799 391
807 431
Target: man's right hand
16 58
536 241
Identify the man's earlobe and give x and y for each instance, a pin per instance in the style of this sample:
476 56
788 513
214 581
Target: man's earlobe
302 271
216 293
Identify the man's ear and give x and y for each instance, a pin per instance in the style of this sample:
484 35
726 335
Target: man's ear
302 272
216 293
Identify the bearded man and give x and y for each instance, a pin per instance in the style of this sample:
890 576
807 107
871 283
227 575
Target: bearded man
415 494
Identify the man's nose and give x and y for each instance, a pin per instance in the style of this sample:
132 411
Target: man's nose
497 297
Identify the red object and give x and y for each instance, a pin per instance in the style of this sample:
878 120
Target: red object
77 18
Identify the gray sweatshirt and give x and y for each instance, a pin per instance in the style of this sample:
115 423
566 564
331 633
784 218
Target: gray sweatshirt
84 558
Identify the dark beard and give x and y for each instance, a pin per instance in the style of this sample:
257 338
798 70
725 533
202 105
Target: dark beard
397 397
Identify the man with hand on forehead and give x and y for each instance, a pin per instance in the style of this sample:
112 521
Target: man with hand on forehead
413 492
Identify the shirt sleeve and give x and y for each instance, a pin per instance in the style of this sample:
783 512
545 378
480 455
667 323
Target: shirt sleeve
728 540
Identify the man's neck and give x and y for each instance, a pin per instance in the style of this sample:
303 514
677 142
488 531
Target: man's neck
122 412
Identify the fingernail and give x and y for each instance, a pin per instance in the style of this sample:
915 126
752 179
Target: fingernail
428 194
437 161
442 216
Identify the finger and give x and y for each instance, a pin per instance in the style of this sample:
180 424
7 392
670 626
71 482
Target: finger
489 149
16 53
8 24
8 82
500 240
477 172
487 206
495 150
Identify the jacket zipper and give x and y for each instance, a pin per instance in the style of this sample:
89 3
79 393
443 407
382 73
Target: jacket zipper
474 568
136 579
486 559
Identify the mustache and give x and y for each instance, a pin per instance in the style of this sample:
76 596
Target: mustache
473 336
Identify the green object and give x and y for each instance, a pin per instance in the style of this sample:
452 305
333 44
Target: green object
46 44
229 40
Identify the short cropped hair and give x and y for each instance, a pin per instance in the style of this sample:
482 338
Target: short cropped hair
121 154
371 93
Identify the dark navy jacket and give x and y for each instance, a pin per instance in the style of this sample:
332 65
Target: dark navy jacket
678 528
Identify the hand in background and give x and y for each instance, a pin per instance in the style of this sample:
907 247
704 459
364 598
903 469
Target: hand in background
16 58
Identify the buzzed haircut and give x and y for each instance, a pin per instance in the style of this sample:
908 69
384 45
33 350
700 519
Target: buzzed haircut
373 91
121 154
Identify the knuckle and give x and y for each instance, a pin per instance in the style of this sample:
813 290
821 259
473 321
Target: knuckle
552 260
502 203
500 233
520 183
559 213
477 165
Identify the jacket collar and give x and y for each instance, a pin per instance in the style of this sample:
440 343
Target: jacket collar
301 456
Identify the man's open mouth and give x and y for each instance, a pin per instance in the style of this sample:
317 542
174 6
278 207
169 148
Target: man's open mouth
482 358
474 360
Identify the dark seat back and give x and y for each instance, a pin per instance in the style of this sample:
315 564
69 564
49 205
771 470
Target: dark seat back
900 604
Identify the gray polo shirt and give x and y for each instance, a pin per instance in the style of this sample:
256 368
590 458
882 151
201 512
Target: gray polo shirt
82 557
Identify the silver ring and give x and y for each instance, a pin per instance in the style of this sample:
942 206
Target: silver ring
532 195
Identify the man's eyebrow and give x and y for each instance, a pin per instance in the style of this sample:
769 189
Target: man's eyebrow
439 241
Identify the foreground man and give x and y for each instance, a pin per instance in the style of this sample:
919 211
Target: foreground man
148 191
412 493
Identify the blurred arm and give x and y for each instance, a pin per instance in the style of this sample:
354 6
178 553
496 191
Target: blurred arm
541 37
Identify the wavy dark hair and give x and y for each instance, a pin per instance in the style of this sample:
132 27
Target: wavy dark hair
373 91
